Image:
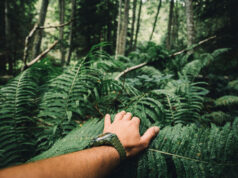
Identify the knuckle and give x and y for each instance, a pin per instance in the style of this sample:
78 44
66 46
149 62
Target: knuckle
136 119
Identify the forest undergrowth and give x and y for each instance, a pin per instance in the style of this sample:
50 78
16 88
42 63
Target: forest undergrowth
47 111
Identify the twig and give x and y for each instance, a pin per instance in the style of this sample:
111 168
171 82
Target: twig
27 43
130 69
40 56
55 26
187 49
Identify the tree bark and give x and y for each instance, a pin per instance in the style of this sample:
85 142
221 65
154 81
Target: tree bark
73 5
190 23
118 27
175 26
8 37
61 30
133 23
124 28
38 35
171 8
156 18
138 24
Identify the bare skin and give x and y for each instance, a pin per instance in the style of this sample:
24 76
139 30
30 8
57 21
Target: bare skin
94 162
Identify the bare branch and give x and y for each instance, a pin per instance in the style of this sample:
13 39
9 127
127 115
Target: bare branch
55 26
27 43
40 55
195 46
130 69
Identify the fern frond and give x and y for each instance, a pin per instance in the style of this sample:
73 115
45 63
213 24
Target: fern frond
227 100
68 98
17 105
218 117
185 151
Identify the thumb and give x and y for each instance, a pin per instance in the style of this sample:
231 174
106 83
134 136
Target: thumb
149 134
107 121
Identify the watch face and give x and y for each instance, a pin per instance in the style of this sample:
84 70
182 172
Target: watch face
104 136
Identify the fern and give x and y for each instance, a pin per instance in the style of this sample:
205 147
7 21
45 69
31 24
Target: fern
233 85
17 105
218 117
185 151
227 100
68 98
194 67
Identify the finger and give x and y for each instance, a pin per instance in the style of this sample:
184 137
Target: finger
127 116
119 115
136 120
148 135
107 121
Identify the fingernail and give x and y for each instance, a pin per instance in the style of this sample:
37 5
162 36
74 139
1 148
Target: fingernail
156 130
107 115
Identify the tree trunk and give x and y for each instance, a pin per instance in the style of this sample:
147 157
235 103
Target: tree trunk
156 18
8 37
119 21
175 29
133 23
61 30
168 43
138 24
124 28
38 35
73 5
190 23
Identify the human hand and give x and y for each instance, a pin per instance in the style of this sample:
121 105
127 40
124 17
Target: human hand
127 130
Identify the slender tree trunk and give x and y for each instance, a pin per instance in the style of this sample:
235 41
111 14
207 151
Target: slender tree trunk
124 28
119 21
38 35
8 37
133 23
171 8
138 24
175 29
73 5
190 23
156 18
61 30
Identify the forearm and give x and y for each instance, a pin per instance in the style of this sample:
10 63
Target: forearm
94 162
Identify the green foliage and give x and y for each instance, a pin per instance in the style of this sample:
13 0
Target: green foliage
60 112
185 151
218 117
227 100
17 101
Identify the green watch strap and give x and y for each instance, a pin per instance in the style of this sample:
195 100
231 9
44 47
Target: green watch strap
111 140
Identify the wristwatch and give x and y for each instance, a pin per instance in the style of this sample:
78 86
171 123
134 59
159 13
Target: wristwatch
109 139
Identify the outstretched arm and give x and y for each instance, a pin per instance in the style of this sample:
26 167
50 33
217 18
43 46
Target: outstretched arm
93 162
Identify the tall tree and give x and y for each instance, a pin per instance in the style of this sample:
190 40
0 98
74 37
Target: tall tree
38 36
190 23
121 48
119 21
133 23
71 33
138 24
8 36
171 9
175 26
61 30
156 18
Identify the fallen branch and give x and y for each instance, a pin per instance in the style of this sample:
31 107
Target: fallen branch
187 49
32 32
40 56
130 69
27 43
55 26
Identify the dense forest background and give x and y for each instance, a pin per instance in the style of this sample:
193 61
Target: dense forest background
65 64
